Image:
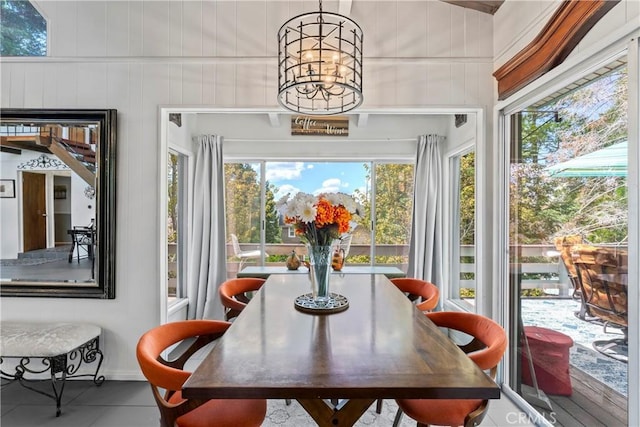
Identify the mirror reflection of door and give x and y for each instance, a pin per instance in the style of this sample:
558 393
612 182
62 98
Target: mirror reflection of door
34 213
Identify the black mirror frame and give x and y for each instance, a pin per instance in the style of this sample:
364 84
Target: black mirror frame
105 215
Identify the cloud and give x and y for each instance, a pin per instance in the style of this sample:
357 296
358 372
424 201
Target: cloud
331 185
277 171
284 189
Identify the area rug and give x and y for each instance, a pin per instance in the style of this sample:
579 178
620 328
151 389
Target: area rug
293 415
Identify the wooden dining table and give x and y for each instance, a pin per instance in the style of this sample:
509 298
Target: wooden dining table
336 365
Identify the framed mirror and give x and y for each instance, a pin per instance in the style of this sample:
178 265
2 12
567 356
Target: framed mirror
57 203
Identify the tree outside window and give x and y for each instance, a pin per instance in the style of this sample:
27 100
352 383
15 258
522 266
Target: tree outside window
23 31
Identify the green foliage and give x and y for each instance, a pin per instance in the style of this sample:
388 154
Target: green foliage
542 207
277 258
242 198
172 197
533 292
23 31
394 201
467 293
467 198
273 232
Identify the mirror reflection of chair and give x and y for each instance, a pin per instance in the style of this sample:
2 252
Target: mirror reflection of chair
486 349
83 241
233 294
602 273
243 256
166 378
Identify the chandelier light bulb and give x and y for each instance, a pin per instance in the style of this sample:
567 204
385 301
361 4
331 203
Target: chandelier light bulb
320 64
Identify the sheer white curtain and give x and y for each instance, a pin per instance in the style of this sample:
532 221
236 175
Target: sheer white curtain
425 249
207 266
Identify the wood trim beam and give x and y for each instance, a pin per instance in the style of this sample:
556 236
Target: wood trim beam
75 165
568 25
488 6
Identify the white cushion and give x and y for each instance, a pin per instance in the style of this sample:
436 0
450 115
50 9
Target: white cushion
39 339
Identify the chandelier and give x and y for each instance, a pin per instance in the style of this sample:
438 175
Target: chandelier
320 63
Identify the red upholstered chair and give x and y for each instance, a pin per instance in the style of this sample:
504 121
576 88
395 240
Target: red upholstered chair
488 344
417 288
170 376
233 294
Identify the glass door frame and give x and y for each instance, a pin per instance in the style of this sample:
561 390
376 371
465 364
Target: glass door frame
563 75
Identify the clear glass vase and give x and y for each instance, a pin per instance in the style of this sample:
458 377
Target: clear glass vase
320 272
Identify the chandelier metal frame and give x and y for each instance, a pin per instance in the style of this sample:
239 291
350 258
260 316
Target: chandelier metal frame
320 63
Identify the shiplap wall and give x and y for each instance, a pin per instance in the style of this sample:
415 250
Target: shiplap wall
135 56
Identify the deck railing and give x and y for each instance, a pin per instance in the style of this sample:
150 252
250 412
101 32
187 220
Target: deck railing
541 268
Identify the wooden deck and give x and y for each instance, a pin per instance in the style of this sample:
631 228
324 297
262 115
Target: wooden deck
592 404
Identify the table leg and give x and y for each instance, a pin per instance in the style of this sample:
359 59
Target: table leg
346 414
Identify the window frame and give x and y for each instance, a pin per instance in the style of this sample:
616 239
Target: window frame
618 46
182 244
262 175
451 224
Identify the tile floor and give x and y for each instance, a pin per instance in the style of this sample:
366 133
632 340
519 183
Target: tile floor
130 404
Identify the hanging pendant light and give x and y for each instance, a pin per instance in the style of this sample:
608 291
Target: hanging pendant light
320 63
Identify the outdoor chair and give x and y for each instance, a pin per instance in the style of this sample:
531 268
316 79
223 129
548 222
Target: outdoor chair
166 377
564 245
243 256
602 273
486 348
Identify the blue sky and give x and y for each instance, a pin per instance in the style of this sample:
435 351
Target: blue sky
314 178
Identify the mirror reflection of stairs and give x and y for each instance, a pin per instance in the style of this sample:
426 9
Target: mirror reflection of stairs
39 256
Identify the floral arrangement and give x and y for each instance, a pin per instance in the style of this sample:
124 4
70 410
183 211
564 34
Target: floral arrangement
319 220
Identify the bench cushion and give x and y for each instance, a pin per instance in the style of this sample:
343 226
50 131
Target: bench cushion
40 339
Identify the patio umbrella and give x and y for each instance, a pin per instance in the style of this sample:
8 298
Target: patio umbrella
609 161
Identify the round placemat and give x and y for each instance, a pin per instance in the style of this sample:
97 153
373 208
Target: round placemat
336 303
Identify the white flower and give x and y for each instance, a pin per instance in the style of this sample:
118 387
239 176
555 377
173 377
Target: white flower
307 212
333 198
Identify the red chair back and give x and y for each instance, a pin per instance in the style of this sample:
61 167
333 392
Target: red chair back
490 339
428 291
233 294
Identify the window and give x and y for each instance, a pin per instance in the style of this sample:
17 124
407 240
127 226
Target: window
385 189
23 31
462 231
176 224
392 187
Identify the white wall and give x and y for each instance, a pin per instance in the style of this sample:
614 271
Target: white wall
9 208
386 136
137 55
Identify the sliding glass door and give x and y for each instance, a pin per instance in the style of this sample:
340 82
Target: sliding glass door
568 251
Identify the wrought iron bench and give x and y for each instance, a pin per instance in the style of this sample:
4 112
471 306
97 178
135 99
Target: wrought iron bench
33 349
